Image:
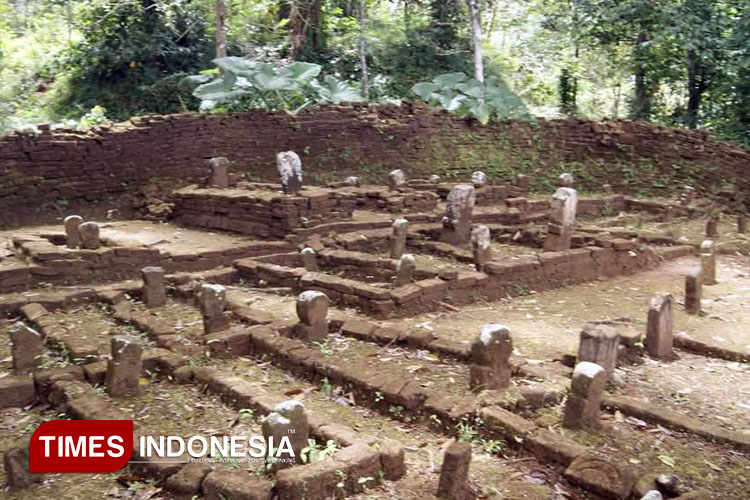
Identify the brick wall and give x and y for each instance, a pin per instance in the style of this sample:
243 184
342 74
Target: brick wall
53 174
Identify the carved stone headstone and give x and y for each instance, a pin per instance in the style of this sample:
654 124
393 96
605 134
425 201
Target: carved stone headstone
599 344
124 366
480 246
693 291
490 358
405 269
712 227
219 172
582 408
562 220
89 232
396 180
309 259
26 348
659 328
72 235
288 419
565 180
454 473
458 211
213 301
708 262
312 309
290 171
479 179
687 196
154 292
398 238
741 224
17 464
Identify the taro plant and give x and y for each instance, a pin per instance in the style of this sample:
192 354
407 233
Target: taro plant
239 83
468 97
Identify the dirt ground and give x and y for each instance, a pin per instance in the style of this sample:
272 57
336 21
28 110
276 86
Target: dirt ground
545 326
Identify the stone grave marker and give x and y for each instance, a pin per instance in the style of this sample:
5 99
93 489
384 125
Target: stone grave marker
124 366
458 211
582 408
290 171
72 234
490 358
154 291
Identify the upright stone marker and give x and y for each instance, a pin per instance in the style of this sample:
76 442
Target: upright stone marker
124 366
659 329
693 292
288 419
490 358
396 180
219 172
434 178
454 473
479 179
213 301
398 238
458 210
405 269
480 246
352 181
708 262
565 180
584 401
312 309
741 224
562 220
309 259
712 227
290 171
154 292
72 235
26 347
687 195
599 344
89 232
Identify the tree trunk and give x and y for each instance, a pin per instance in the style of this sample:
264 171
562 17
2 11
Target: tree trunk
476 39
363 49
221 34
695 89
642 101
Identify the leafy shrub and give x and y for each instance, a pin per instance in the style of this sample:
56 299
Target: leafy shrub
242 84
464 96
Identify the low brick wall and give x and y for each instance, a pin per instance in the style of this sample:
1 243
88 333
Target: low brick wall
49 175
500 278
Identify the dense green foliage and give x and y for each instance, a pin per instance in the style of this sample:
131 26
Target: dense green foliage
675 62
239 84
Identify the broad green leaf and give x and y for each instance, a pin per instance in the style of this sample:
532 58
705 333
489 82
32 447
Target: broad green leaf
425 89
303 71
236 65
449 79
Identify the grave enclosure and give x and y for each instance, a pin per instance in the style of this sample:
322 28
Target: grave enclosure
343 312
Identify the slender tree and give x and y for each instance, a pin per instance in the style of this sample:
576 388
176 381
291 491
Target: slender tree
476 38
363 49
221 33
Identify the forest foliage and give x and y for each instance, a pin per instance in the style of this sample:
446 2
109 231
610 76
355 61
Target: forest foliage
674 62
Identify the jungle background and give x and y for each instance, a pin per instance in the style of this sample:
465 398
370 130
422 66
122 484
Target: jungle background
76 63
